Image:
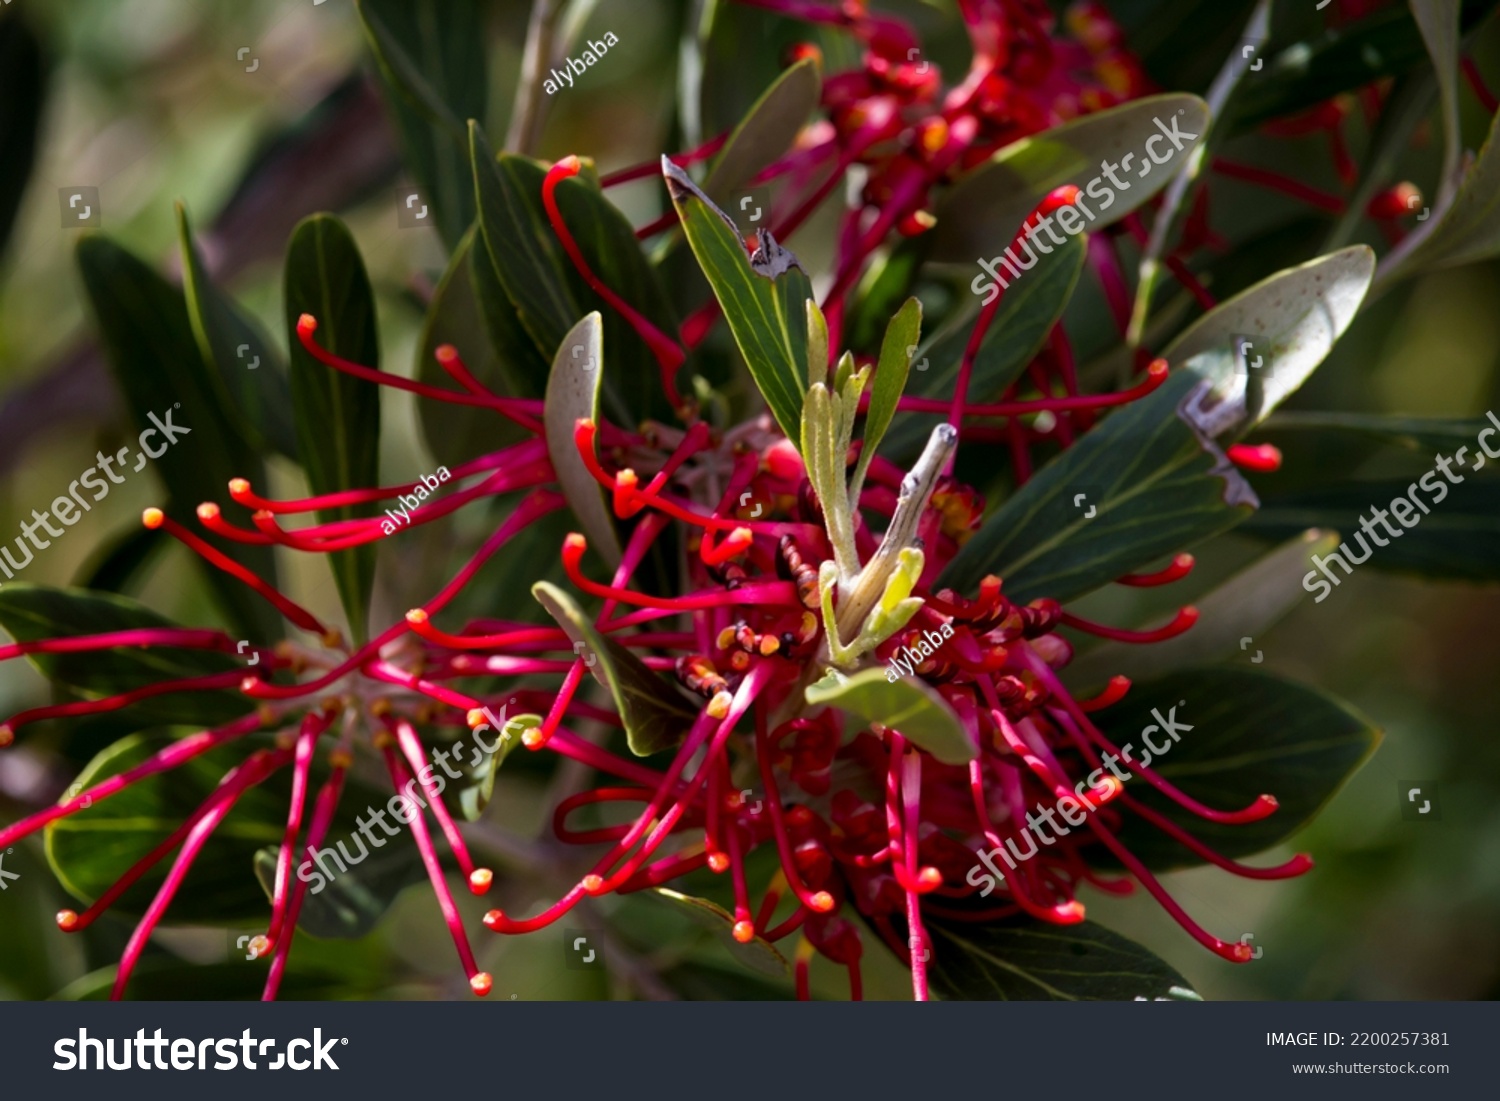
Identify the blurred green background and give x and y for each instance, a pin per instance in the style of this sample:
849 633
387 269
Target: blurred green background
148 101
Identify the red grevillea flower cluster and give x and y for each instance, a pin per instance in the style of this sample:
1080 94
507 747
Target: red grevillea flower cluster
861 820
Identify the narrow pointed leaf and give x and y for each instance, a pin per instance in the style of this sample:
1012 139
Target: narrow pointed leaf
1435 434
758 955
1143 484
762 301
1458 541
456 433
545 291
1251 734
984 210
144 324
573 395
1025 960
32 612
352 903
338 416
237 349
431 60
655 715
478 785
90 849
1246 606
767 131
22 91
906 705
1026 314
890 379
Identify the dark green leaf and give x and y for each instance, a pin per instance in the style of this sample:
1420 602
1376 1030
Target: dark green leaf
542 287
338 415
457 433
982 213
352 902
1024 960
431 59
633 388
1026 314
1339 59
758 955
767 130
1458 541
478 787
118 559
172 980
22 87
523 250
1436 434
765 308
31 612
655 715
144 324
1246 606
1252 734
905 705
90 849
235 346
1154 483
890 379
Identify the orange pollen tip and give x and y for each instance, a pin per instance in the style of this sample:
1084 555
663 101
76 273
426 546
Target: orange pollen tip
769 644
1070 911
493 918
569 164
153 518
67 920
725 639
822 902
332 705
534 738
383 740
248 684
208 511
929 878
799 817
307 323
744 932
266 714
380 708
417 615
260 945
476 718
592 883
445 353
238 487
333 638
482 983
575 542
341 758
718 707
7 734
480 880
718 862
1108 788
